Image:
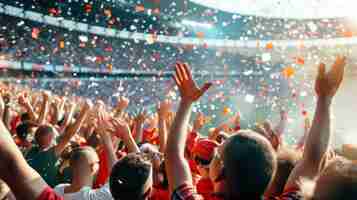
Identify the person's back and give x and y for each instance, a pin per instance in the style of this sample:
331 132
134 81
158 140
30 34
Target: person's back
84 163
42 157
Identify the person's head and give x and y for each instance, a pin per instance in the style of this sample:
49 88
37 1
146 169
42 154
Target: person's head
287 159
23 130
84 161
338 181
131 177
25 117
249 165
203 152
45 135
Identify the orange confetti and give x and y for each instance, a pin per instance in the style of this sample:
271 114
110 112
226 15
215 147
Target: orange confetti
269 45
226 110
139 8
300 61
61 44
200 35
110 67
288 72
347 33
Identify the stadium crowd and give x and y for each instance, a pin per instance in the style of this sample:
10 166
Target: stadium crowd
56 147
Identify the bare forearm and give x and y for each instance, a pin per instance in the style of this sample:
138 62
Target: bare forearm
31 112
112 158
178 132
43 112
24 182
162 135
318 139
131 144
139 132
71 131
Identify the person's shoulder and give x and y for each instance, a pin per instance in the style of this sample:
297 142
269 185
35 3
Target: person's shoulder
59 189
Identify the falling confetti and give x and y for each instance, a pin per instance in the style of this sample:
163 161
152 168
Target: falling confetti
288 72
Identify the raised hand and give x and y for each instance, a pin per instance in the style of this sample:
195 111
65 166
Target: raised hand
164 108
122 103
121 129
327 84
188 88
141 117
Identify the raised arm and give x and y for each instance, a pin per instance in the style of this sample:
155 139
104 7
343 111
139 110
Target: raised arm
318 140
122 131
177 168
122 104
280 128
24 101
139 126
72 130
68 115
104 129
163 110
44 108
25 183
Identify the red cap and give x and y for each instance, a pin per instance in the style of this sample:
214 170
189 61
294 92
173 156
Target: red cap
204 149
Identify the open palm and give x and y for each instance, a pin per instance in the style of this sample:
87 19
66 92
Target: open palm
327 84
187 86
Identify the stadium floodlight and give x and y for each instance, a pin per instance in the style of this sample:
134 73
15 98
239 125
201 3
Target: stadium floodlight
196 24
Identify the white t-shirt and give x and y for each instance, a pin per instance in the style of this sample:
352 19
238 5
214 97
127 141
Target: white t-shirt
86 193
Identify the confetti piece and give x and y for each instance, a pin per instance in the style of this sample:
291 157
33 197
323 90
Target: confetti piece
61 44
83 38
200 35
151 39
288 72
88 8
304 113
347 34
35 33
226 110
139 8
249 98
110 67
269 45
300 61
266 57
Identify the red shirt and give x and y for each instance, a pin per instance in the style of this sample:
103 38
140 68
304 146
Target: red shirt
205 187
103 172
188 192
49 194
160 194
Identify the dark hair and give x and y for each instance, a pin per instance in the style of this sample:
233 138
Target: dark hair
129 177
43 130
25 117
22 130
249 165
